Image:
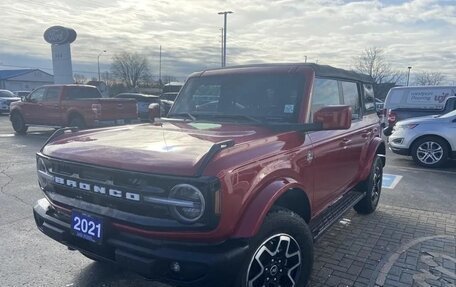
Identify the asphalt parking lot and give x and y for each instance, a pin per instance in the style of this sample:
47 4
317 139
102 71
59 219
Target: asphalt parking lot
409 241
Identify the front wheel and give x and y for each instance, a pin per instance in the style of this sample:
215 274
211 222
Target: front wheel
430 151
281 254
18 123
77 121
372 186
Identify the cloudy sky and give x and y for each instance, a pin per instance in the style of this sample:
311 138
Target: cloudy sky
419 33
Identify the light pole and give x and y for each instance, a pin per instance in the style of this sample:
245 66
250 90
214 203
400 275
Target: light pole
98 60
221 48
225 13
408 75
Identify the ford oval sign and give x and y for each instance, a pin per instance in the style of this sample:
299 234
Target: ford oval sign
59 35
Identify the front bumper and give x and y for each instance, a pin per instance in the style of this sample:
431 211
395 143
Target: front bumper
400 151
200 264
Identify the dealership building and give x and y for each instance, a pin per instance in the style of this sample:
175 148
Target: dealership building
24 79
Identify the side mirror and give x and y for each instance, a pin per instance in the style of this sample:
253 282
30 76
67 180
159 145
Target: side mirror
334 117
154 111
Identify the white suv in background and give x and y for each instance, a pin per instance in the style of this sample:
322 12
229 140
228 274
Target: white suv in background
430 140
6 98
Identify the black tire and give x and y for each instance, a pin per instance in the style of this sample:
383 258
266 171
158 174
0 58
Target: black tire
18 123
430 151
77 121
280 227
372 186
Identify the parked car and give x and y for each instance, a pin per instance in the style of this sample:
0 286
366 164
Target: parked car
170 91
234 195
142 101
70 105
430 140
6 98
21 94
409 102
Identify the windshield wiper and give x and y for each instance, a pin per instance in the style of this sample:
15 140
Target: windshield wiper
233 116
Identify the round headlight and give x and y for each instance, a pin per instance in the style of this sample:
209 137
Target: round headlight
189 203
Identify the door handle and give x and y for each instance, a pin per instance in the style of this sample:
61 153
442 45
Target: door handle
345 142
366 134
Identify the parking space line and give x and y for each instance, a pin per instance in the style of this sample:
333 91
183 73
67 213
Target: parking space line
421 169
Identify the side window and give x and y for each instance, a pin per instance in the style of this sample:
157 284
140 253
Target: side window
369 100
325 92
52 94
352 98
37 96
75 93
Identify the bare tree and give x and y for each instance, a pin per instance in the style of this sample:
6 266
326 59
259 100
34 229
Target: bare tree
373 62
79 79
130 68
429 78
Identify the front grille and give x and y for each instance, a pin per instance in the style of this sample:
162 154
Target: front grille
88 181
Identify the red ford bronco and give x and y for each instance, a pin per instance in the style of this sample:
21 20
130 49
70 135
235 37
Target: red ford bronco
250 166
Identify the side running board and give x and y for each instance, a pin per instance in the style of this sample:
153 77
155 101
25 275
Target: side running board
332 214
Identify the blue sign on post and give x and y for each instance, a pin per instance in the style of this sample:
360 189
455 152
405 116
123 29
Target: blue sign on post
390 180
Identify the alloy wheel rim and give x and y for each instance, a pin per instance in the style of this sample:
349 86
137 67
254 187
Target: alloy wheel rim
429 152
377 185
276 262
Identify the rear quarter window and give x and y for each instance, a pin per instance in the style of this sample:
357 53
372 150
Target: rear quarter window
369 98
80 93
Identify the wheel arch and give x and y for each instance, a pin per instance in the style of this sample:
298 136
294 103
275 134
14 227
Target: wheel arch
376 148
286 193
15 111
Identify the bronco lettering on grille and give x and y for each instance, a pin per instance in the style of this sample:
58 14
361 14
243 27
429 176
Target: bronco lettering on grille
97 188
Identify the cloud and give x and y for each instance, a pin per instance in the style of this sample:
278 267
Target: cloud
419 33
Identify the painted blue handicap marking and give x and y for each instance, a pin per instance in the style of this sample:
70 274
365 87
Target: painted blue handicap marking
390 180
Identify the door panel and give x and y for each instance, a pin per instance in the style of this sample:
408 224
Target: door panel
32 107
51 106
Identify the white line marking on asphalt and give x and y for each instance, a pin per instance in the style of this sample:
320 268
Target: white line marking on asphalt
421 169
6 135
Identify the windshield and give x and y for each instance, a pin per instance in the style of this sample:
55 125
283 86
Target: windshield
266 96
448 115
6 94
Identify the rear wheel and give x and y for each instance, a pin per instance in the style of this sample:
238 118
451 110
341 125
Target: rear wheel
430 151
373 187
77 121
281 254
18 123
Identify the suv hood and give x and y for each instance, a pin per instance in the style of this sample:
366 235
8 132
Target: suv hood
163 148
421 120
10 99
